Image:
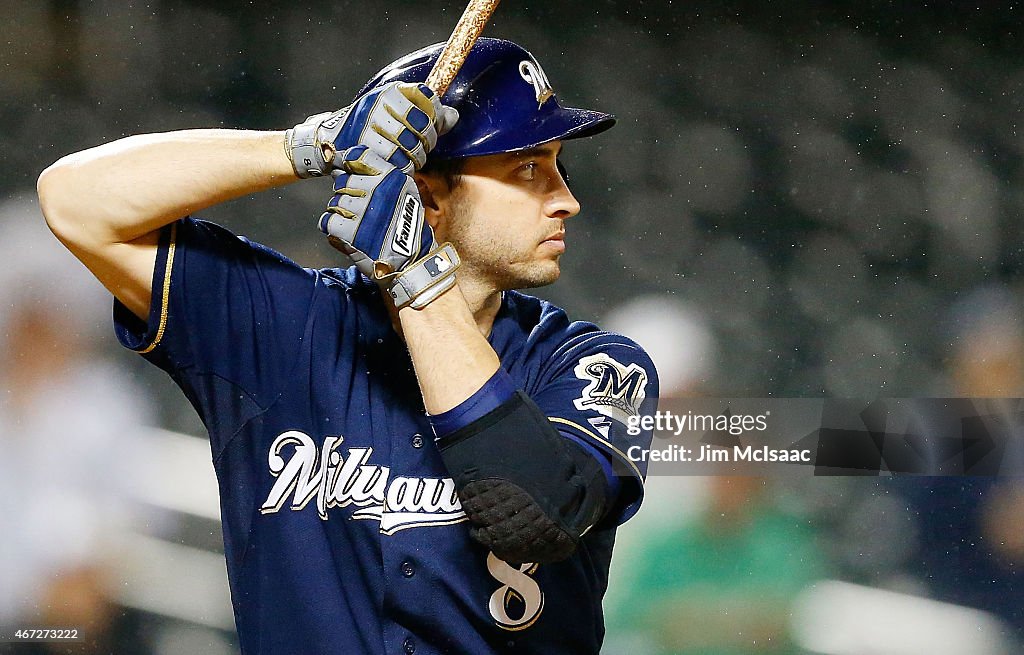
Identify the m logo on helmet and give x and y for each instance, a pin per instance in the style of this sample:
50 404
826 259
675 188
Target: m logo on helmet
532 72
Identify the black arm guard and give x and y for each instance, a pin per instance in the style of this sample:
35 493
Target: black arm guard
529 492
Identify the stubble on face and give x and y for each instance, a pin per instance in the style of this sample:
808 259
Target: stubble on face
492 252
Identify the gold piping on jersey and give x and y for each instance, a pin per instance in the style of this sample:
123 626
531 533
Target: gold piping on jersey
165 293
605 442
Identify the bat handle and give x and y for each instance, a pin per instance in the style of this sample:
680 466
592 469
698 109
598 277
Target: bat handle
455 51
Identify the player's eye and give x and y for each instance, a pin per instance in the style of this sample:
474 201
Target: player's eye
527 172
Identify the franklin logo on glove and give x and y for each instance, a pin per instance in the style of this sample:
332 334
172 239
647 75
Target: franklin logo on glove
403 235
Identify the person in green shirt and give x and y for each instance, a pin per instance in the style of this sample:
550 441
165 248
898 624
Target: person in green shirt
724 583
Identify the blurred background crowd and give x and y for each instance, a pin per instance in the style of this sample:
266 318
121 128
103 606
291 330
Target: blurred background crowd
798 200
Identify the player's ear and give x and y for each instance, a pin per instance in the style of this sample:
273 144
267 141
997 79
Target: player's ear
434 194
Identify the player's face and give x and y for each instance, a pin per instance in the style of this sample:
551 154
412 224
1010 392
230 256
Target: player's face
507 217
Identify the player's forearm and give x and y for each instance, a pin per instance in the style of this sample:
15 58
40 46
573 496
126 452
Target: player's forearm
120 191
490 434
451 356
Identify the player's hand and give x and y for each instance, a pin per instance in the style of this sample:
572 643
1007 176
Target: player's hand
399 121
375 217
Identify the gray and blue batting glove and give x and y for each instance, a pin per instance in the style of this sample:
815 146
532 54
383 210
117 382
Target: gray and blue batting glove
399 121
375 218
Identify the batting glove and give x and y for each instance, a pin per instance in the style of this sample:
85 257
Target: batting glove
399 121
376 219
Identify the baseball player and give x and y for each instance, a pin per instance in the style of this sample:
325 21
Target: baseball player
412 456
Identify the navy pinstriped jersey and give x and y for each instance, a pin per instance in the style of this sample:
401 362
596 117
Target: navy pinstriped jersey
342 531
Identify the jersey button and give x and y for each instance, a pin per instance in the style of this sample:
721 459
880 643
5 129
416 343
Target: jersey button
409 646
408 570
417 441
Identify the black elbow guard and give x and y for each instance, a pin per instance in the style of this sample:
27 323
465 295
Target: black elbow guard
529 492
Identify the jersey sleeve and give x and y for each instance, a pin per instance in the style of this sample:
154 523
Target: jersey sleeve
591 387
226 321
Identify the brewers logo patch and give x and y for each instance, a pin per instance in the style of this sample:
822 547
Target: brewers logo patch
613 389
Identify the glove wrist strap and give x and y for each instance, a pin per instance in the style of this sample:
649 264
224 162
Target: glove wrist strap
425 280
304 150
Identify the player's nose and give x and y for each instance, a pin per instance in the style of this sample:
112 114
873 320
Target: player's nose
561 203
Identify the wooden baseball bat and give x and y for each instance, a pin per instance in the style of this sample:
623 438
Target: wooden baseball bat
455 51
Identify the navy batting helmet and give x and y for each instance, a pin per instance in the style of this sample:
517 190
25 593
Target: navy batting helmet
504 99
